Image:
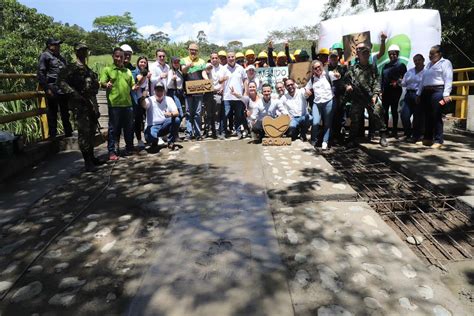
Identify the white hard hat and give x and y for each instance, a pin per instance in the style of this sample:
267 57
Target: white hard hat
394 47
126 48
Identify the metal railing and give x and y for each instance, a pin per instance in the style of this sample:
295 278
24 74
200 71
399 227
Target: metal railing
26 95
462 85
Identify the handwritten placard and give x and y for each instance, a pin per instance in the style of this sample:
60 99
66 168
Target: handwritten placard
198 86
300 73
350 42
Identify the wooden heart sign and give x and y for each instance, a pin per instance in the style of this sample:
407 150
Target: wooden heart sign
275 127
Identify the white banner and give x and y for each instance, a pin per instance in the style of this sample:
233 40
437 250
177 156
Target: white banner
415 31
272 75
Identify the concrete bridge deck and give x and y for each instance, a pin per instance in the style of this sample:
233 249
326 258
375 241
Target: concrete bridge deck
219 227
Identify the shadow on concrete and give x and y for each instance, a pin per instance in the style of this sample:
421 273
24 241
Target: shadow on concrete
112 245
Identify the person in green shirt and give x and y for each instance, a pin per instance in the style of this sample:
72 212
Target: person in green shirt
193 68
118 81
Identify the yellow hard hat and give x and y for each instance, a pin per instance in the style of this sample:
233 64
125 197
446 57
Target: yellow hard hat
274 54
249 52
297 52
239 55
222 53
324 51
292 57
262 54
281 54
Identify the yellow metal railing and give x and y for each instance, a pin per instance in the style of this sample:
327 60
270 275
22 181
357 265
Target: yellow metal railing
26 95
462 85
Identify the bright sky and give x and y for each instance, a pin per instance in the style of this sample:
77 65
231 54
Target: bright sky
248 21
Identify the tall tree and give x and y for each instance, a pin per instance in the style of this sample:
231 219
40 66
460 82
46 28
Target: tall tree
99 43
160 37
118 27
23 34
234 46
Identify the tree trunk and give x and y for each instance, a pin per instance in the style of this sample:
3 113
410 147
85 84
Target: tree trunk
374 4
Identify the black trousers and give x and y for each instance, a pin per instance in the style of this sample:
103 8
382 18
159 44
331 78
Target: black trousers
390 99
54 103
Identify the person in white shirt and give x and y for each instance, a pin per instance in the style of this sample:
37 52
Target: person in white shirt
280 88
174 85
162 117
252 77
295 102
251 101
159 69
213 100
267 107
433 93
411 81
233 77
321 87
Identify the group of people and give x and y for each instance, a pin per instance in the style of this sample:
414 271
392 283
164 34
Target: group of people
150 98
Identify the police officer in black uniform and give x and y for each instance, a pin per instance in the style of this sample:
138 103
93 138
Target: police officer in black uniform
49 65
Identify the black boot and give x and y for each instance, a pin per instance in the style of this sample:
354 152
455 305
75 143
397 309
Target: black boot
88 163
292 133
96 161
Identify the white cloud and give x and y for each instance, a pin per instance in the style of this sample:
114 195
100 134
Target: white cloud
178 14
244 20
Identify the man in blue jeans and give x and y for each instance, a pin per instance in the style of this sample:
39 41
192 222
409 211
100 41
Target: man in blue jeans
193 68
295 102
118 81
232 77
162 117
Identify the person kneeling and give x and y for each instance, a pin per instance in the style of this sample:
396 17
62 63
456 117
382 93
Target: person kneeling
162 117
267 107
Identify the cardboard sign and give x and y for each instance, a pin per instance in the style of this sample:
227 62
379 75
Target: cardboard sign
300 73
272 75
350 42
275 127
198 86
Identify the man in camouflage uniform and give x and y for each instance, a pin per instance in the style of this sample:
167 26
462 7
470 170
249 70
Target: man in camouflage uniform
81 85
363 86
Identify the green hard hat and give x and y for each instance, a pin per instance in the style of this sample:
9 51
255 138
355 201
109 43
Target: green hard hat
336 46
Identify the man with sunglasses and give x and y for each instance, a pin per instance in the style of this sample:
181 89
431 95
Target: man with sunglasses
295 102
363 87
159 69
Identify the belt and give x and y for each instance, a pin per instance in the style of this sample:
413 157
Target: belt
433 88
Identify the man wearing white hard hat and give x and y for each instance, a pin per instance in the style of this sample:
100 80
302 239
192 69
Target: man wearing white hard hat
127 56
392 75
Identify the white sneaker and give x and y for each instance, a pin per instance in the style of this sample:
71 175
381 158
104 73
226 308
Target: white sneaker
141 144
160 141
324 146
